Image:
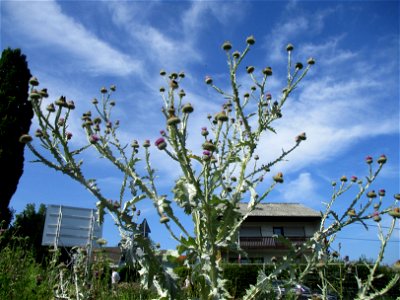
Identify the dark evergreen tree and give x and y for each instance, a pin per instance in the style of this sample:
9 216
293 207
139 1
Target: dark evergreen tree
30 224
15 119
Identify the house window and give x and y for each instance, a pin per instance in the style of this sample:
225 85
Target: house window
278 231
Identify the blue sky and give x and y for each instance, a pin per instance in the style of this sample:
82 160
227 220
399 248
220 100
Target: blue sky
348 105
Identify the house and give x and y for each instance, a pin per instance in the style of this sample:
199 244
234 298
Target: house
257 235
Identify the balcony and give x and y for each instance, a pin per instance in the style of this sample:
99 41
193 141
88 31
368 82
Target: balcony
268 242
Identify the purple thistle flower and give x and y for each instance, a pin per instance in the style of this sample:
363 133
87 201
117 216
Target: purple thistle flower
204 131
207 153
93 139
69 135
146 143
160 143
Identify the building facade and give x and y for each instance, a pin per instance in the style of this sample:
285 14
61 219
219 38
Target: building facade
258 233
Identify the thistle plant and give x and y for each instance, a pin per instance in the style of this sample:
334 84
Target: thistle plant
214 178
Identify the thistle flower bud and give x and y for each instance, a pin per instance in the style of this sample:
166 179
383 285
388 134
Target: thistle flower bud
222 117
395 212
87 123
173 76
173 84
268 96
93 139
146 144
160 143
95 101
208 145
253 88
301 137
236 54
71 104
61 102
250 40
299 66
182 93
135 144
226 46
369 160
351 212
164 219
371 194
25 138
353 178
103 90
162 72
246 95
311 61
51 107
162 89
397 196
38 133
278 178
289 47
256 157
68 135
208 80
61 122
382 159
33 81
112 103
35 95
382 192
250 69
206 155
376 216
187 108
113 88
173 120
43 93
267 71
181 75
343 179
204 131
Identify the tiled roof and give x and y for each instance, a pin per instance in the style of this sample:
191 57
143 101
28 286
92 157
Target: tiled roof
280 210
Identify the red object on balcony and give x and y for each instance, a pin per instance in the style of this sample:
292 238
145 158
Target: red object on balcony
268 242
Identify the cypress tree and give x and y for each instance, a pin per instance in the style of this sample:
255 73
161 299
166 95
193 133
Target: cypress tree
15 119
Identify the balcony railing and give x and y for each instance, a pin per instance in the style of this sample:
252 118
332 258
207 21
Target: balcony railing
268 242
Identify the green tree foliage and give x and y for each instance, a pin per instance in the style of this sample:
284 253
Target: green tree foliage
29 224
15 119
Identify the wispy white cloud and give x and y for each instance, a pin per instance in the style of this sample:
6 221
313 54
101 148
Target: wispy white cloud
293 25
302 189
45 25
224 13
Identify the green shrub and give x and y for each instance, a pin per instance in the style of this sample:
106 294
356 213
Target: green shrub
21 277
